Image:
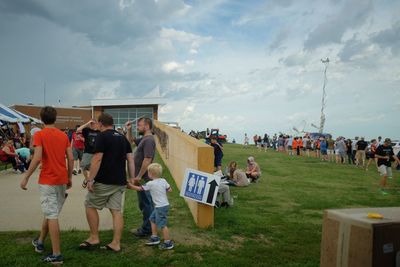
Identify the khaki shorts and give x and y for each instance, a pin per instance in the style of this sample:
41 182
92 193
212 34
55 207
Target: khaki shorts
85 162
105 196
52 198
360 155
385 170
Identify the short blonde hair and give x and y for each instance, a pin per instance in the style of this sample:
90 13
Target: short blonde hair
155 169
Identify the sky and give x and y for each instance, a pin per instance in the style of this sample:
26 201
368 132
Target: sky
241 66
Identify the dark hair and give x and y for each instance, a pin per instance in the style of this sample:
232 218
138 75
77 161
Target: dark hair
48 115
147 121
106 119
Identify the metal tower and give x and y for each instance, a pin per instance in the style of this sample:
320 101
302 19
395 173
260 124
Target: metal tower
323 104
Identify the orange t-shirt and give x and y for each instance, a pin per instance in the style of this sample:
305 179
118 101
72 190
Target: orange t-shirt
54 143
294 144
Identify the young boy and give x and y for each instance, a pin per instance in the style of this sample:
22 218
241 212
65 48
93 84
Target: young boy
52 147
158 188
218 153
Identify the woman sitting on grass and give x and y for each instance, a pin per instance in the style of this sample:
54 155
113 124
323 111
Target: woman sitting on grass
237 176
253 170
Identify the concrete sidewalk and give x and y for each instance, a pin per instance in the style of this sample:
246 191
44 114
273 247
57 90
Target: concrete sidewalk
20 210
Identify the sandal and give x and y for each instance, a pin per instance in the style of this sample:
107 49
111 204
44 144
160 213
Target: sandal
86 245
84 183
107 247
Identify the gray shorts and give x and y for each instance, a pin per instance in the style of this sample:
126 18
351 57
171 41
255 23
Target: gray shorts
85 162
159 216
105 196
77 153
52 199
385 170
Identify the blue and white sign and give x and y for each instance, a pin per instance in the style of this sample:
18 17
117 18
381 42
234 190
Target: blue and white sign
200 186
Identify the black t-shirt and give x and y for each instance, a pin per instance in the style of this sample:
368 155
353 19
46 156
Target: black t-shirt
361 145
385 151
90 139
146 148
217 150
114 147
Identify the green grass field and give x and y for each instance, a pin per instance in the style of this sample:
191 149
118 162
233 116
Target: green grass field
276 222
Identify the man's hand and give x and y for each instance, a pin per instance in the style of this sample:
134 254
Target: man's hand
136 181
69 184
90 186
128 125
24 183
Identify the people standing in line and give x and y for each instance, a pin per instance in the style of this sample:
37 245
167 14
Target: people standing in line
354 149
307 145
324 149
371 154
294 146
342 149
245 141
158 188
361 147
331 149
317 148
300 146
255 140
290 145
349 151
259 143
385 155
218 153
253 170
78 145
89 132
266 142
107 182
274 141
51 148
143 157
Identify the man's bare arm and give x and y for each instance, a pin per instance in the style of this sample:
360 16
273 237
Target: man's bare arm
95 165
131 166
146 162
70 160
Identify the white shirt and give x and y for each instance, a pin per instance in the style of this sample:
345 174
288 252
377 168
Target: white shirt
158 191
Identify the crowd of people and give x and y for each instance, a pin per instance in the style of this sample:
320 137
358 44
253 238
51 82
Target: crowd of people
358 152
106 159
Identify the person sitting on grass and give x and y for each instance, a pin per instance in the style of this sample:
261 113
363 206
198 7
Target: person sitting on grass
158 188
237 176
253 170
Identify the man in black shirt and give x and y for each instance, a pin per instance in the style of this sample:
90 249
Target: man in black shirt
144 156
107 181
89 131
384 154
361 147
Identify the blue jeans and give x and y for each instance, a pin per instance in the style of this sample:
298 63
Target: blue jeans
146 207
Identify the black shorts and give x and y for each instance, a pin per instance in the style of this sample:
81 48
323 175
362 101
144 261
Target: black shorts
217 161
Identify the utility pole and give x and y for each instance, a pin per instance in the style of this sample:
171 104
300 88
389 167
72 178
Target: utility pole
44 94
323 102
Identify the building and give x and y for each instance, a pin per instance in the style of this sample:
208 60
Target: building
66 117
122 110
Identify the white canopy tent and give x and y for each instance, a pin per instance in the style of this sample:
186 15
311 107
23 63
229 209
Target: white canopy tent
12 116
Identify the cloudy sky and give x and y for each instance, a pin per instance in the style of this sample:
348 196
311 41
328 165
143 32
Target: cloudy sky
242 66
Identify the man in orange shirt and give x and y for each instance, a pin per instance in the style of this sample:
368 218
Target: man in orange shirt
51 148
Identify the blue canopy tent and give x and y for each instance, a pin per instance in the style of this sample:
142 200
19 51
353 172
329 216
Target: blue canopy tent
11 116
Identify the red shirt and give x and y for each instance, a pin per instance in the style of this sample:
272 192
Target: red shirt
54 143
78 141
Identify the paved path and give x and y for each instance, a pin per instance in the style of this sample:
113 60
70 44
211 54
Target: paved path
20 210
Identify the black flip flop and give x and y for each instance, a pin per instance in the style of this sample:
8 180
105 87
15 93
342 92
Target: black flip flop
87 246
84 183
107 247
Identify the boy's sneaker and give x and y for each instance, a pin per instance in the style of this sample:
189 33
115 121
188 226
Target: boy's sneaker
154 240
59 259
39 247
167 245
74 172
